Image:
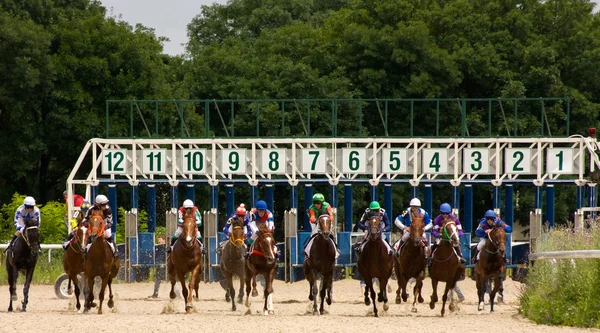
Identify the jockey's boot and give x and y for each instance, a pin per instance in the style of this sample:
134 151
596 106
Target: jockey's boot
66 244
219 249
111 241
357 247
202 249
505 259
337 249
10 245
170 249
460 256
399 247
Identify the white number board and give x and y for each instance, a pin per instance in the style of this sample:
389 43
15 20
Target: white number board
314 161
273 161
233 161
559 161
193 161
114 161
354 160
394 160
476 161
154 161
517 161
435 161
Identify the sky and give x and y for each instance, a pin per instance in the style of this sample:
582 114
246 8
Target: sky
168 18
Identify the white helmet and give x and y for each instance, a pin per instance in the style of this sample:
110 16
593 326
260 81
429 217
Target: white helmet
101 199
415 202
188 204
29 201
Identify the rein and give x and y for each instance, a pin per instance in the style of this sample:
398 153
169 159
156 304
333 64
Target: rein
493 243
24 234
234 240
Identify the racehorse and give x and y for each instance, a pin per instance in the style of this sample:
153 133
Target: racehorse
445 265
99 261
262 260
186 257
233 262
22 258
490 265
73 259
375 262
411 262
321 260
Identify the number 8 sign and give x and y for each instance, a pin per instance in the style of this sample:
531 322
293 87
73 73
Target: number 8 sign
273 161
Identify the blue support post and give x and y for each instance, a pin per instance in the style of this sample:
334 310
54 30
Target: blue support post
230 200
294 197
414 192
348 209
455 197
580 195
112 202
151 208
270 196
509 208
308 194
333 196
253 196
374 193
550 204
428 199
134 197
538 197
496 197
174 197
387 201
190 193
467 219
214 197
592 199
94 193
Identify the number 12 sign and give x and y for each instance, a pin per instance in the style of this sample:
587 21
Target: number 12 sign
114 161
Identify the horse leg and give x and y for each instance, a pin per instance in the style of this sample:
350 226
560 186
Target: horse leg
445 297
383 291
417 293
230 290
496 281
367 289
90 296
501 289
372 289
399 280
189 291
241 292
77 291
254 291
173 280
419 287
404 282
480 281
325 287
102 291
434 296
329 287
310 277
110 303
13 274
269 292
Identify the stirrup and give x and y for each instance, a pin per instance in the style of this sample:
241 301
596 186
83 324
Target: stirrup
170 249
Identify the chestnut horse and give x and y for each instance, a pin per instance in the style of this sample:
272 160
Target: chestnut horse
262 260
73 258
99 261
375 262
445 265
22 257
233 262
411 262
186 257
321 260
490 265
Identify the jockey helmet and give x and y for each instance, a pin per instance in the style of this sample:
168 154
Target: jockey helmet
29 201
241 210
374 205
85 206
490 213
415 202
101 199
445 208
318 197
261 205
188 204
65 193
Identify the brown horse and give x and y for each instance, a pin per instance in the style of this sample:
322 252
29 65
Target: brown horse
262 260
411 262
321 260
99 261
490 265
73 259
445 265
375 262
186 257
233 262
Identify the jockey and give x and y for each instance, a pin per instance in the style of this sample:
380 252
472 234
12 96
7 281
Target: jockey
242 216
27 210
373 210
403 222
318 208
445 213
259 216
85 206
102 204
188 207
78 200
486 224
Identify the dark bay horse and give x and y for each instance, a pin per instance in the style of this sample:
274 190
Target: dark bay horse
411 262
262 260
321 260
22 258
73 259
445 265
375 262
233 261
490 265
99 261
186 257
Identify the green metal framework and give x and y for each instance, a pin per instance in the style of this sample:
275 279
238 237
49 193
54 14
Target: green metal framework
441 117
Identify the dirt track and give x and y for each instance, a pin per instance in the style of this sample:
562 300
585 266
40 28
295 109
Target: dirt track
135 312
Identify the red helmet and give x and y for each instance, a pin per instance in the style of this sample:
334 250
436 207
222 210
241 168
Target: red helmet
241 210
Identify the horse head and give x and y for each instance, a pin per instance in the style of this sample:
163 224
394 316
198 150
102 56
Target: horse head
497 237
374 227
96 227
31 235
188 235
237 232
324 225
265 243
417 227
450 231
80 235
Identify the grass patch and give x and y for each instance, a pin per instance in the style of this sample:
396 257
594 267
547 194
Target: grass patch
45 272
564 292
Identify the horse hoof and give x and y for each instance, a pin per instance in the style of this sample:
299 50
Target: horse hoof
110 303
311 297
240 300
315 313
227 298
367 302
78 306
248 303
99 311
70 291
265 312
172 295
94 305
328 300
233 308
452 307
375 315
480 307
14 298
404 298
254 293
398 300
271 312
385 307
443 312
500 299
413 310
196 299
420 299
432 305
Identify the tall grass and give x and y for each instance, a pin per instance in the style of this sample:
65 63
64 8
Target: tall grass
564 292
45 272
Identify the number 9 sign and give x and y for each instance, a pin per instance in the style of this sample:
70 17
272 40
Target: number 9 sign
233 161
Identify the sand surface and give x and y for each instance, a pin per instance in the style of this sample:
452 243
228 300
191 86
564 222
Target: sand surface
134 312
